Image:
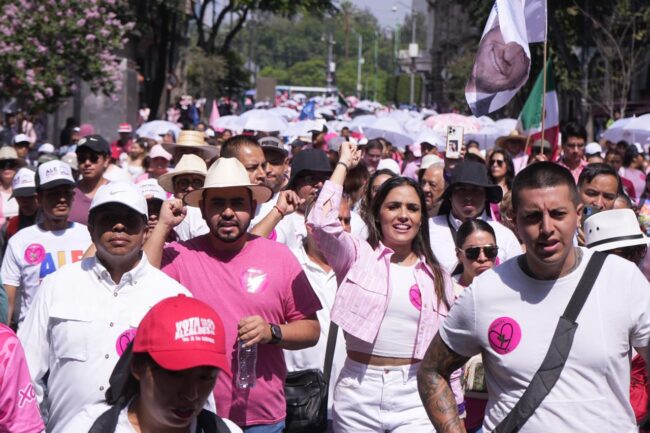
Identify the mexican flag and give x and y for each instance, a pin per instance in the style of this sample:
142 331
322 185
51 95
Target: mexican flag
530 118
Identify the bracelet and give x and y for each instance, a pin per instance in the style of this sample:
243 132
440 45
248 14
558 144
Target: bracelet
279 211
344 165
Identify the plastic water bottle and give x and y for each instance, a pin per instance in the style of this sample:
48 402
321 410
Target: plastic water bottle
246 363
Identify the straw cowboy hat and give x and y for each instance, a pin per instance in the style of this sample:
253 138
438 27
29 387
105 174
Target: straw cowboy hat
613 229
229 173
8 153
189 164
515 136
194 140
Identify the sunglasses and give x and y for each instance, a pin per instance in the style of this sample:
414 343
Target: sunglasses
498 162
8 165
83 157
490 251
183 184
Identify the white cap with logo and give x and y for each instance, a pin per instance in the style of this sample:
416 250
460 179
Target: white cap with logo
150 189
54 173
121 192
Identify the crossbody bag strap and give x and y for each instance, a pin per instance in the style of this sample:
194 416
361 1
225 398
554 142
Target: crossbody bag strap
329 352
558 352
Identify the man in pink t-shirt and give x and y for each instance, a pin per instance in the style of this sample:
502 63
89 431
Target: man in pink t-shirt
18 405
256 285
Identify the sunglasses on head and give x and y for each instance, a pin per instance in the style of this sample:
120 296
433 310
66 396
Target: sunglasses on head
83 157
498 162
490 251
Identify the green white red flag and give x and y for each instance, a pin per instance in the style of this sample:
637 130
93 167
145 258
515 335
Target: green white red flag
530 118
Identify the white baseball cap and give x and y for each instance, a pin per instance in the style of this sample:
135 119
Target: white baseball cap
54 173
46 148
121 192
593 149
21 138
150 189
24 183
389 164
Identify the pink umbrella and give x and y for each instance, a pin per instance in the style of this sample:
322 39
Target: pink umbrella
440 122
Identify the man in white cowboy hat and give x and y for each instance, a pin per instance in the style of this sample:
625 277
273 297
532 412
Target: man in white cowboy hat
466 198
188 176
256 285
515 144
39 250
192 142
85 314
616 231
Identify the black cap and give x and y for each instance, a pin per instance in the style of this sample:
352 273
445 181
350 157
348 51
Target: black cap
309 160
96 143
273 144
470 173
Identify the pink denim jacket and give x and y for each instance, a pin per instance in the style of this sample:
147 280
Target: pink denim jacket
362 272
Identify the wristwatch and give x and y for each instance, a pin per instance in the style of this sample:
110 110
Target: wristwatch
276 334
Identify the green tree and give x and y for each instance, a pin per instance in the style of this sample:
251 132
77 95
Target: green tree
47 47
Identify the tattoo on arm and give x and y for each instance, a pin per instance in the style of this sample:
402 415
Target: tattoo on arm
433 385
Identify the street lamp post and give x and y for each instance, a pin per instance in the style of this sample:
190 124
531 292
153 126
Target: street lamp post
359 63
413 46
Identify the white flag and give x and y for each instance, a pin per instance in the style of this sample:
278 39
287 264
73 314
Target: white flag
502 63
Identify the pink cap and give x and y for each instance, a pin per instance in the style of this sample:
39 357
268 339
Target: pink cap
124 127
159 152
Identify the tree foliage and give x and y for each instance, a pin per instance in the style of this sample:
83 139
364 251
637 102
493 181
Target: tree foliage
47 46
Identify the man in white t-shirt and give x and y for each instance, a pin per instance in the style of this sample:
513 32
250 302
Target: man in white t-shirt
36 251
85 315
466 198
188 176
509 314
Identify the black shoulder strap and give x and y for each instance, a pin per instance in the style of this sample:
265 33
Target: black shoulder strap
558 352
329 352
209 422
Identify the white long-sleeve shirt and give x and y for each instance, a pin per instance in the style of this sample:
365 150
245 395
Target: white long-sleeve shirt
79 324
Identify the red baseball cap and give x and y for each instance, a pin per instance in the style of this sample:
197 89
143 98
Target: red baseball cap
180 333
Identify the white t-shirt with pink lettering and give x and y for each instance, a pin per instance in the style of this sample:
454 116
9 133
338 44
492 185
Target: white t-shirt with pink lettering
510 318
18 405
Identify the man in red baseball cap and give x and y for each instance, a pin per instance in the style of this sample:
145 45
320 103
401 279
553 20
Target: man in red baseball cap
164 378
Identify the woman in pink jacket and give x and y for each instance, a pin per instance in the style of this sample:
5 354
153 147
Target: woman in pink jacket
391 299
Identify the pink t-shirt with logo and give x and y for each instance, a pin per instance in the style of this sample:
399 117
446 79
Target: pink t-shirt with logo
18 406
263 279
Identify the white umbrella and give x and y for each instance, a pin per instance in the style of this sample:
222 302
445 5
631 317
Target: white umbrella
638 129
389 129
286 113
156 128
506 126
262 121
302 127
231 122
432 137
616 131
360 122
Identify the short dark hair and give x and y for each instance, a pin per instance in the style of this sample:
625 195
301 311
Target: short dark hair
471 226
572 129
631 153
543 174
375 143
230 148
597 169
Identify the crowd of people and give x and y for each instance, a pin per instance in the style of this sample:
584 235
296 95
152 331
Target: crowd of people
136 272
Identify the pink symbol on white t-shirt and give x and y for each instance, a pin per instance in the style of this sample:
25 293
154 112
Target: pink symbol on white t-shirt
253 281
34 254
415 297
124 340
26 395
504 335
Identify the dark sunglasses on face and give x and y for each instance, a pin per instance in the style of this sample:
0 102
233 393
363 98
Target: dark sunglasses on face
8 165
83 157
498 162
183 184
22 144
490 251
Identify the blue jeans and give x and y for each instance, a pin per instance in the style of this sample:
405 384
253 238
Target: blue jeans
265 428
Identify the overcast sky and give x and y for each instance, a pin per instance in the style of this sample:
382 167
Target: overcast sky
383 10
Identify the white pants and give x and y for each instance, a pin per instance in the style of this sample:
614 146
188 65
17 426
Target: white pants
378 399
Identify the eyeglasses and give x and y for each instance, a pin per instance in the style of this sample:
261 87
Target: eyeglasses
183 184
490 251
498 162
83 157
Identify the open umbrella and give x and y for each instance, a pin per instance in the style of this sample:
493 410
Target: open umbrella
389 129
442 121
231 122
302 127
262 121
156 128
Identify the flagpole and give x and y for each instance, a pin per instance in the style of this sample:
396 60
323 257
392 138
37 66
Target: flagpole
541 149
